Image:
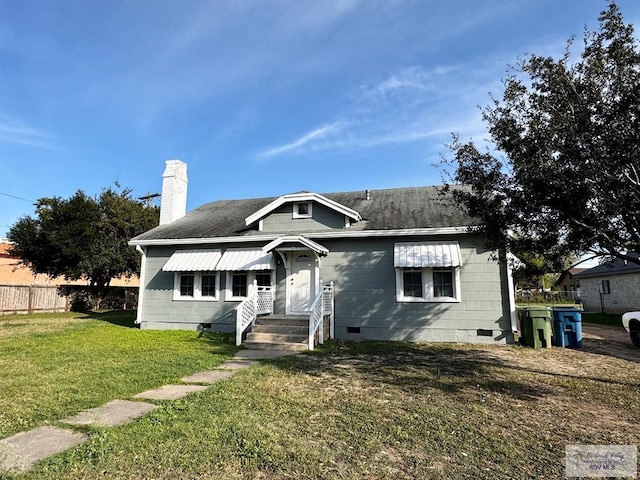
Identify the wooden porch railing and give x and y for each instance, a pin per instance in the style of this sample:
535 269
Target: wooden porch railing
322 305
260 302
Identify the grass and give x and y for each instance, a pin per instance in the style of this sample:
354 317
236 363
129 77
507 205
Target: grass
609 319
54 365
361 410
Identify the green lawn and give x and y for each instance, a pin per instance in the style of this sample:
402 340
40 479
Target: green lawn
54 365
348 410
610 319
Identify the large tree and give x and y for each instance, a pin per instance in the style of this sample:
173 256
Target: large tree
563 173
83 237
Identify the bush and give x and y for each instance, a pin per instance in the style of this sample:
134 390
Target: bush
87 299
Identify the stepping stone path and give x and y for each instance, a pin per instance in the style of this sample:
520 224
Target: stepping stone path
263 354
208 377
170 392
237 364
23 450
111 414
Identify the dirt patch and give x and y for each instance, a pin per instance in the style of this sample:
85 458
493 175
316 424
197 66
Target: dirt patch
611 341
457 397
610 334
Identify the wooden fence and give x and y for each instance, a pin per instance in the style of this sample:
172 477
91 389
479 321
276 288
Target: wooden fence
31 299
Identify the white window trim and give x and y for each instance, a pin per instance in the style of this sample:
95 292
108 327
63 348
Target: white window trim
251 276
197 287
297 214
427 285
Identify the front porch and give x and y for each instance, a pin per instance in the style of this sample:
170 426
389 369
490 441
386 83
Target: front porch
259 328
279 332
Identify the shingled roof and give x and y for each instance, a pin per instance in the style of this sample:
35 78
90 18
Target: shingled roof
389 209
615 267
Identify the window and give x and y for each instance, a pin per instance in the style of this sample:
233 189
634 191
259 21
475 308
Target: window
427 284
186 285
443 282
196 286
208 288
302 210
263 279
239 284
412 280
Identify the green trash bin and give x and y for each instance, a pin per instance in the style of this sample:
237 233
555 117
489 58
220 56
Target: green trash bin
536 326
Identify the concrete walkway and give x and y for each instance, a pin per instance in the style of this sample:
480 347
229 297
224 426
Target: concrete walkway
111 414
23 450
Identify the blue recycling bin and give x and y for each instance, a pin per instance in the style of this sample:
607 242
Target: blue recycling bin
567 327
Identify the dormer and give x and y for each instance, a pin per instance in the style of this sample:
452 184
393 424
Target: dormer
304 211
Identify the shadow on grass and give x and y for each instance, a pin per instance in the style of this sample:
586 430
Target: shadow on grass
221 342
416 368
607 348
121 318
608 319
569 376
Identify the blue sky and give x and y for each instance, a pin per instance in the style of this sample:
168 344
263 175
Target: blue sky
259 98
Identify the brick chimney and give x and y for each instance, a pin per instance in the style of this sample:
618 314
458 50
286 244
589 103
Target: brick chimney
174 191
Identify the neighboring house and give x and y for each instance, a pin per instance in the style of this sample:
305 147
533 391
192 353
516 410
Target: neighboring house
14 272
613 287
23 291
568 285
401 264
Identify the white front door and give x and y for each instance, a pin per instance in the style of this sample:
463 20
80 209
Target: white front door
301 281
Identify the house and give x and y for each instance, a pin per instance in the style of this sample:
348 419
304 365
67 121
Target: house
612 287
14 272
568 285
395 264
23 291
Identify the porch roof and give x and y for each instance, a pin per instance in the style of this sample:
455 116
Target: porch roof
427 254
295 239
204 260
245 259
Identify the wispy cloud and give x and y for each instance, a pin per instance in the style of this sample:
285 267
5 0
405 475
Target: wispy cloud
219 48
11 132
314 135
410 105
313 17
411 78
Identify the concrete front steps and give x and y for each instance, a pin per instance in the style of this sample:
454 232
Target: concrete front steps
279 332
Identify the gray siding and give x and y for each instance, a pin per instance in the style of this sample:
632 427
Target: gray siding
365 296
281 220
161 311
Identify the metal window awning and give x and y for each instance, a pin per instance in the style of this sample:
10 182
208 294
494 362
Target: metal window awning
427 254
245 259
203 260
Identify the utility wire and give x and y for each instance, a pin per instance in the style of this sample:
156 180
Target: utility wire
19 198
